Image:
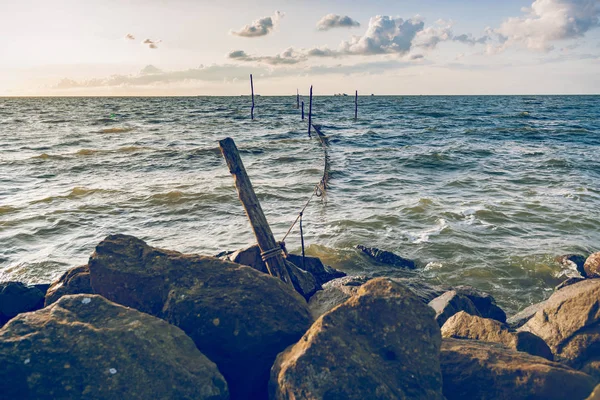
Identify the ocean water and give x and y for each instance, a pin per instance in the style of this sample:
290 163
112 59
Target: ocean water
483 191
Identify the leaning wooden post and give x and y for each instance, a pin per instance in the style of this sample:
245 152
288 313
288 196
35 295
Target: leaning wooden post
271 251
310 111
356 106
302 110
252 89
297 99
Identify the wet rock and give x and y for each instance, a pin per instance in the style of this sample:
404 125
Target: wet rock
465 326
484 302
569 322
521 318
304 282
239 317
84 346
479 370
313 265
592 266
74 281
449 304
424 291
334 293
568 282
386 257
383 343
17 298
574 262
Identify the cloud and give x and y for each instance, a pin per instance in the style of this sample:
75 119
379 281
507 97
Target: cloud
129 36
470 40
331 21
547 21
260 27
429 38
287 57
150 70
152 44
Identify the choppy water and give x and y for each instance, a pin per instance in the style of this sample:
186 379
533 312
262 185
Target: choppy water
479 190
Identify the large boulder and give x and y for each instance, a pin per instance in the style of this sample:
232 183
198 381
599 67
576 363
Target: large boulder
74 281
17 298
569 322
239 317
484 302
386 257
451 303
465 326
334 293
84 346
383 343
592 266
313 265
479 370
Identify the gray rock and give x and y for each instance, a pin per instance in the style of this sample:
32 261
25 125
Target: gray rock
386 257
451 303
521 318
322 273
484 302
17 298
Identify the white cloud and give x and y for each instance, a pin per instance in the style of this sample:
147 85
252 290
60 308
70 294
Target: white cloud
152 44
547 21
429 38
286 57
129 36
260 27
331 21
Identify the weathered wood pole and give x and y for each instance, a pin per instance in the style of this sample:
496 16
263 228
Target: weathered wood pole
310 112
297 99
356 106
264 236
302 110
252 89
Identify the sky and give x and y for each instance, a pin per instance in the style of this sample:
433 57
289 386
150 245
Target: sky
385 47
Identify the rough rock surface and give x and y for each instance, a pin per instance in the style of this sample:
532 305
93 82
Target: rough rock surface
84 346
383 343
449 304
574 262
484 302
521 318
74 281
304 282
334 293
239 317
387 257
592 266
465 326
17 298
322 273
569 322
479 370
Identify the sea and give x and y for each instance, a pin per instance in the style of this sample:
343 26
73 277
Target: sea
479 190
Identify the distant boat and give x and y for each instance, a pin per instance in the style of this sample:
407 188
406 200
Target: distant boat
345 95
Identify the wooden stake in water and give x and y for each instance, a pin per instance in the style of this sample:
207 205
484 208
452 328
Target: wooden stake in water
271 251
310 112
252 89
297 99
302 110
356 106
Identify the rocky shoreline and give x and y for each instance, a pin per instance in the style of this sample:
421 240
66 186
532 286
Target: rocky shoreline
140 322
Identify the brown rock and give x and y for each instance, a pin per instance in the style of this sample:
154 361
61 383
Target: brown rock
334 293
74 281
569 322
521 318
17 298
239 317
465 326
568 282
84 346
595 394
592 266
449 304
479 370
382 343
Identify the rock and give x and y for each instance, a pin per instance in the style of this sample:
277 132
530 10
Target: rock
521 318
592 266
84 346
569 322
424 291
449 304
383 343
313 265
334 293
74 281
573 262
568 282
465 326
484 302
595 394
42 287
479 370
17 298
304 282
239 317
386 257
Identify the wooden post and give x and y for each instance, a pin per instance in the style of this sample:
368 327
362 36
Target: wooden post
303 110
297 99
356 106
258 221
252 89
310 112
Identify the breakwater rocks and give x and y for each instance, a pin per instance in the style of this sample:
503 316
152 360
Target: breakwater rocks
140 322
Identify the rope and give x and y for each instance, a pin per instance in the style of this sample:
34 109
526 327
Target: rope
274 252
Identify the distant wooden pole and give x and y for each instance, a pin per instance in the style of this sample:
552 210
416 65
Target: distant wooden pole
303 110
264 236
310 111
252 89
297 99
356 106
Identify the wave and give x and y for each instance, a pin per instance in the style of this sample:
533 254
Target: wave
76 192
7 209
116 130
